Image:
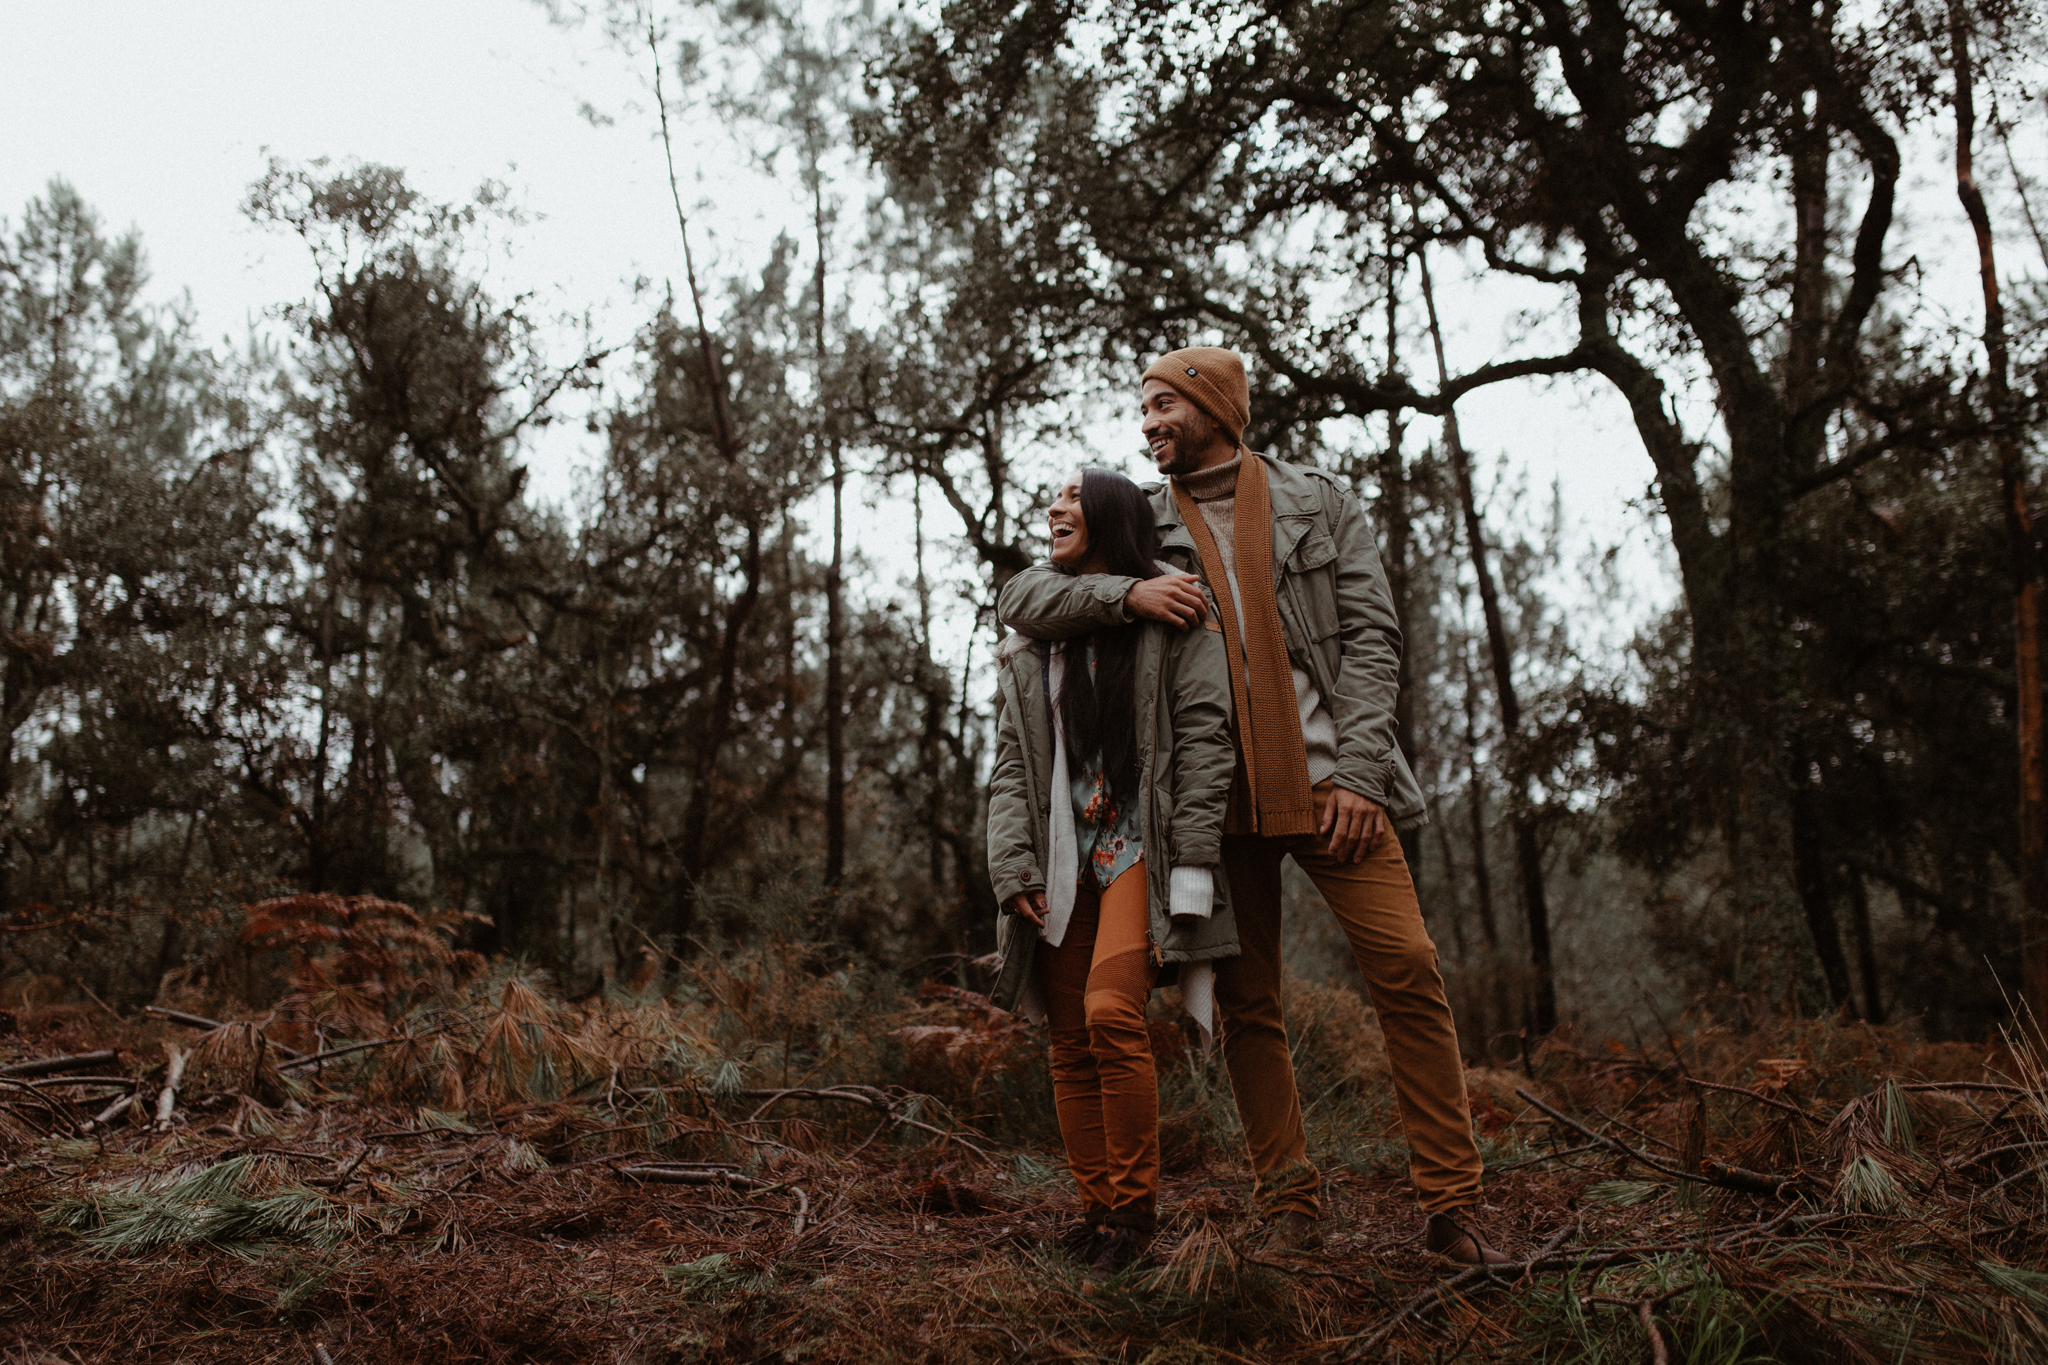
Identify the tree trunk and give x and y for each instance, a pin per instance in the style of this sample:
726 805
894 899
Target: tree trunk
697 814
1528 848
1396 535
1482 869
704 772
1816 889
1866 947
835 686
2023 549
835 595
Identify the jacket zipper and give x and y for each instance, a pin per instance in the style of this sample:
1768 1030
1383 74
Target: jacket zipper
1158 957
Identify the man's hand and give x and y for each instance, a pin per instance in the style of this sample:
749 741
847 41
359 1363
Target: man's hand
1028 904
1353 824
1174 598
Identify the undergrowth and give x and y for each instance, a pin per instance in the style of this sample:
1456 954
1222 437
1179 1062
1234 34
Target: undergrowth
772 1152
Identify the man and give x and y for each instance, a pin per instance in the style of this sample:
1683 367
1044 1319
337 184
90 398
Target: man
1316 654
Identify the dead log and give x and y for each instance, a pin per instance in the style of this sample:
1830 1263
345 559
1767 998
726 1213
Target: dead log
167 1098
47 1066
111 1112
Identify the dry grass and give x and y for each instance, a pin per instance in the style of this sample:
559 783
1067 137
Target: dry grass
783 1160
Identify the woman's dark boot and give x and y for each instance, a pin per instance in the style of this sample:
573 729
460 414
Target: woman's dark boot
1082 1239
1124 1239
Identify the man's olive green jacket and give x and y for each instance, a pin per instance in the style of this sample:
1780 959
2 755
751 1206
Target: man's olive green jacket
1334 609
1185 761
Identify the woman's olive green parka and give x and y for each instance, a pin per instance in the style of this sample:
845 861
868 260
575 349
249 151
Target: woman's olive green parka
1185 762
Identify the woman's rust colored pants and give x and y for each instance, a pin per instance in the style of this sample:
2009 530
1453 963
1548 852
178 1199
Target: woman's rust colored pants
1096 985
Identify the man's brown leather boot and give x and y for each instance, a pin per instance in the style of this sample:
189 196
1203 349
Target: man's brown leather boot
1453 1237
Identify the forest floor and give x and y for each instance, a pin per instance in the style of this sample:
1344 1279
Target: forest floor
706 1175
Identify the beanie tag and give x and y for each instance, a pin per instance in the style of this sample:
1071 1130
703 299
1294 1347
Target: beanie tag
1193 373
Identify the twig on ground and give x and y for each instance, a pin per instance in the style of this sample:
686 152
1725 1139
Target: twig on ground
1550 1247
45 1066
1960 1162
63 1119
1750 1182
200 1021
803 1210
1760 1099
1648 1317
676 1175
167 1098
298 1061
336 1183
1593 1259
2016 1175
878 1100
108 1114
1747 1182
1547 1156
1631 1128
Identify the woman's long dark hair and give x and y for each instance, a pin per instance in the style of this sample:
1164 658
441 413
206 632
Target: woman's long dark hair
1096 712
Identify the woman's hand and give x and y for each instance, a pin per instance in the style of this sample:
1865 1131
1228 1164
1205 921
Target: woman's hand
1029 905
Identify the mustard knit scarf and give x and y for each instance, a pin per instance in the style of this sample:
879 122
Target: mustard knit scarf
1270 794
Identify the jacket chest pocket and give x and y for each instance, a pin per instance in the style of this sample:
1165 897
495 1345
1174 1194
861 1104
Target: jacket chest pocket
1311 580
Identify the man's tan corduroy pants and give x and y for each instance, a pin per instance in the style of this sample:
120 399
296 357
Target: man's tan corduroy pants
1375 903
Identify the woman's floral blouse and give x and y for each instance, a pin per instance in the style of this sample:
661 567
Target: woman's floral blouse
1110 839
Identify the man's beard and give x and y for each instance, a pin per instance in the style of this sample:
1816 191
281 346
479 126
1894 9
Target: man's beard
1184 453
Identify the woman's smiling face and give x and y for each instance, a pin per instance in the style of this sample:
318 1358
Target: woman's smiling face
1069 527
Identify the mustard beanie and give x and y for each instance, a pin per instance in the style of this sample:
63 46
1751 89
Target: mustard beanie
1214 379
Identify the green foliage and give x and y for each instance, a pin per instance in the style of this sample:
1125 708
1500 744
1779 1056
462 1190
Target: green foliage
236 1205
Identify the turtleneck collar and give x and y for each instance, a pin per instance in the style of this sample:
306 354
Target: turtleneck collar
1217 481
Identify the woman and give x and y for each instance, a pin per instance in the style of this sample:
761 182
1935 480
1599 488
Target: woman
1113 767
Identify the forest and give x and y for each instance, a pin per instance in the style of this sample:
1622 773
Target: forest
585 831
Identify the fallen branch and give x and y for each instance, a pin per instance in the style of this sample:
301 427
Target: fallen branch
687 1175
63 1119
1735 1178
53 1081
1760 1099
200 1021
1515 1273
1648 1317
45 1066
167 1098
2016 1175
1960 1162
336 1182
108 1114
1547 1156
299 1061
878 1100
1751 1182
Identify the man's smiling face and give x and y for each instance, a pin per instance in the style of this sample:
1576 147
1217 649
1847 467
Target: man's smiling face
1181 437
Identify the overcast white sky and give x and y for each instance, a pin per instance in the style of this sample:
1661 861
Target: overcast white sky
162 114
